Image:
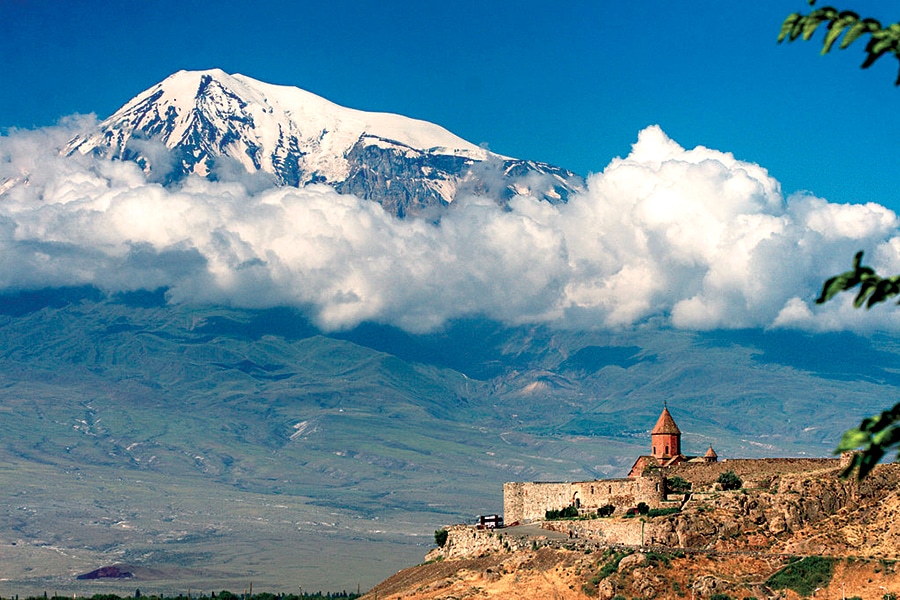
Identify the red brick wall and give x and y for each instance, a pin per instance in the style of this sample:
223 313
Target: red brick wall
666 444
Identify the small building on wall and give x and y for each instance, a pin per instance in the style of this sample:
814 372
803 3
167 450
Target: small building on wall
529 501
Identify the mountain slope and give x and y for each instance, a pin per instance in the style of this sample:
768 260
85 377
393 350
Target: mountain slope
209 120
250 445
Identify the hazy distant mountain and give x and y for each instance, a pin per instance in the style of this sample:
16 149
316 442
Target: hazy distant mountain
137 431
211 120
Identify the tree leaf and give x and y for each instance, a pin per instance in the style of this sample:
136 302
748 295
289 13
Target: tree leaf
865 290
788 26
834 286
810 24
882 45
855 31
834 32
882 438
852 439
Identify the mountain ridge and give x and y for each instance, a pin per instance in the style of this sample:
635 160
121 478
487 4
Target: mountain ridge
371 434
206 119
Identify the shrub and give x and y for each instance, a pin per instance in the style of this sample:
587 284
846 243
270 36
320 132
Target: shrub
729 481
720 597
643 508
661 512
804 576
440 537
606 510
569 512
610 567
677 484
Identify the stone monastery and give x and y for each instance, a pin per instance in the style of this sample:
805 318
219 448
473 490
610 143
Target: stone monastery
646 482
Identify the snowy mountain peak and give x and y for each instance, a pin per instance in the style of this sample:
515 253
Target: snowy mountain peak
208 118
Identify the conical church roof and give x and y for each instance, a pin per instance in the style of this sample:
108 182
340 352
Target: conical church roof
665 424
710 453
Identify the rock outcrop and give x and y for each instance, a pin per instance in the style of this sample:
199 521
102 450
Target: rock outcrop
727 543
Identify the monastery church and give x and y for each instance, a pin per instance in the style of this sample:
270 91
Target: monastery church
665 444
646 482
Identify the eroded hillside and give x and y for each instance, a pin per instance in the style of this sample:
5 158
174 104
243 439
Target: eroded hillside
750 543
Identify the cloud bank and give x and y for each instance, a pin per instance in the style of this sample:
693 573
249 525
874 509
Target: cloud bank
693 239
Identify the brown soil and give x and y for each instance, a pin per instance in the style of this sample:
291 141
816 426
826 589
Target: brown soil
563 575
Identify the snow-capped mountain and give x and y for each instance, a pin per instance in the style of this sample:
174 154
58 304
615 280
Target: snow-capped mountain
209 120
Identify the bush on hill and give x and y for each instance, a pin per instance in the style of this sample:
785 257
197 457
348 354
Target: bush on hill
661 512
804 576
568 512
729 481
440 537
677 484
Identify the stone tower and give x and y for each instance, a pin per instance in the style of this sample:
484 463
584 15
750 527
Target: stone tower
665 437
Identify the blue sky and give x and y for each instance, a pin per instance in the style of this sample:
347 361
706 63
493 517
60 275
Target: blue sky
570 84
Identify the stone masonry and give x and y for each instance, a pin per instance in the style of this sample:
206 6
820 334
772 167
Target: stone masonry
528 501
524 502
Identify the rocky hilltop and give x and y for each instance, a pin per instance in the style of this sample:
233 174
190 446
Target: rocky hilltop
749 543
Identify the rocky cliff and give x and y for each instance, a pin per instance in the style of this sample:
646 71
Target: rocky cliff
722 543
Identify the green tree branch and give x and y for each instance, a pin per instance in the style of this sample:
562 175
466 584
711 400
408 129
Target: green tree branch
882 39
875 435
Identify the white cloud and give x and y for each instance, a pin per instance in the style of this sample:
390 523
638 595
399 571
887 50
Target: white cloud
695 237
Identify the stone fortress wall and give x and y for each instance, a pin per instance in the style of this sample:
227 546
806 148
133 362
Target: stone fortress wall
524 502
754 472
785 509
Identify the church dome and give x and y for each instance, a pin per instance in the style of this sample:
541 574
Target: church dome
665 424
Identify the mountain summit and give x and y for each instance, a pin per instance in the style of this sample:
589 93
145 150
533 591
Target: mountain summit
210 120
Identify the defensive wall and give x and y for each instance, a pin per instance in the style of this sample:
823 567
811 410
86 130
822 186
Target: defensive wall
611 532
754 472
529 501
525 502
466 541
